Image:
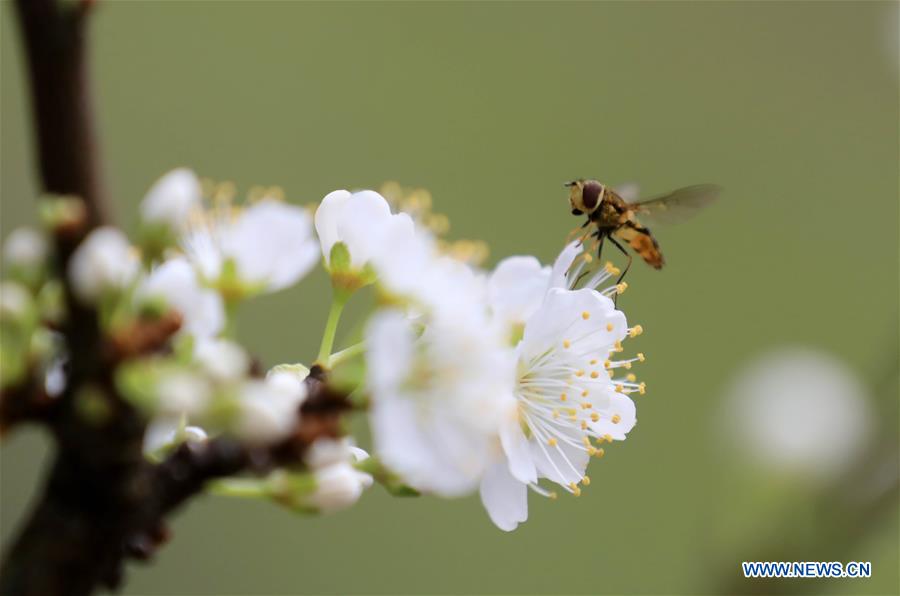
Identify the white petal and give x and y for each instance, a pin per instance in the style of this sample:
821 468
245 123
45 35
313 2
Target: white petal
563 463
171 199
272 242
504 497
515 446
361 225
583 317
562 264
327 217
103 261
176 281
622 408
516 288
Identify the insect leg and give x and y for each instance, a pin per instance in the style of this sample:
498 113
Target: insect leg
601 238
627 266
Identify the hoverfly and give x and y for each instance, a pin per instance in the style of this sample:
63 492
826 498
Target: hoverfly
615 218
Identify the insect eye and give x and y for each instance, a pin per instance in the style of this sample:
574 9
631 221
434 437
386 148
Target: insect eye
577 212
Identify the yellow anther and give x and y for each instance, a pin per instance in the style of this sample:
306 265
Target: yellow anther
642 388
553 496
586 480
620 288
563 397
593 361
594 374
573 417
592 450
607 364
599 452
575 490
630 377
640 356
627 365
585 393
584 425
579 373
611 269
607 438
595 416
552 441
618 346
586 405
585 315
616 419
612 373
567 344
586 440
620 388
588 257
635 331
609 326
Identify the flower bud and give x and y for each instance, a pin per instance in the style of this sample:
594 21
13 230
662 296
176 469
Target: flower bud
104 261
172 198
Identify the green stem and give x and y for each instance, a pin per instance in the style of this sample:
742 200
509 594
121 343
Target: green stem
239 487
334 316
346 354
230 329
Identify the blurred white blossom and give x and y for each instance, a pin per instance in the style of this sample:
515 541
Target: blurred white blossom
25 247
104 261
437 400
223 360
15 300
265 247
338 484
799 411
172 199
176 282
268 410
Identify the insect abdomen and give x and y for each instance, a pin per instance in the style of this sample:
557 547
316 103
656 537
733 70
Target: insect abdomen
643 243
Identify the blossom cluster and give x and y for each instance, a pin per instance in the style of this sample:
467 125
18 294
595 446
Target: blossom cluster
497 381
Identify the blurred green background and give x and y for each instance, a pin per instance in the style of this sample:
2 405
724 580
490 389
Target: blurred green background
792 107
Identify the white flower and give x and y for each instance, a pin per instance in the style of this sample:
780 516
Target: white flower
355 220
270 245
799 411
338 484
176 282
437 400
269 410
565 398
223 360
183 393
103 261
25 247
172 199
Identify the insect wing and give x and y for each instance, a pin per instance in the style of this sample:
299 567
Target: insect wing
678 205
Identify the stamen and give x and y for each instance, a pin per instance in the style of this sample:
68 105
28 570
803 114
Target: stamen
616 419
595 416
586 480
609 326
567 344
585 315
635 331
594 374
